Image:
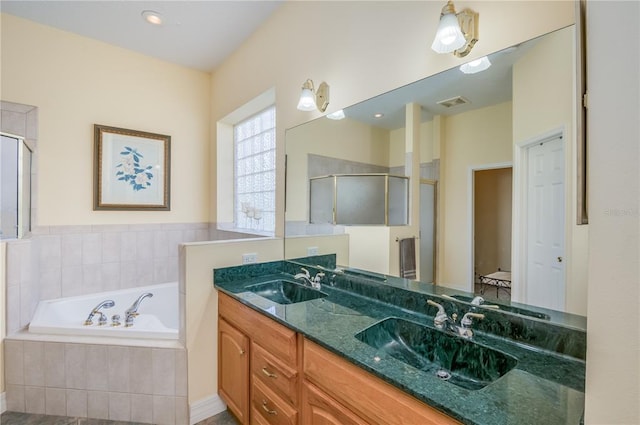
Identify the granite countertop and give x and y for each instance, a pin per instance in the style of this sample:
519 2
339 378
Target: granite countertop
543 388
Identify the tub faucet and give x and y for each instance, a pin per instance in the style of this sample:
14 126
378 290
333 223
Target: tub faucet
132 312
96 310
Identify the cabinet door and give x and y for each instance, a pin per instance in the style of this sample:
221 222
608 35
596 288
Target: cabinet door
233 367
319 409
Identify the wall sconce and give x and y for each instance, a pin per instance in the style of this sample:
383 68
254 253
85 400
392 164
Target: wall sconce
311 99
457 32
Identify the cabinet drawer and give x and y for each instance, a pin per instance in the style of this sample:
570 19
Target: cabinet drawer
270 407
274 337
318 408
275 374
368 396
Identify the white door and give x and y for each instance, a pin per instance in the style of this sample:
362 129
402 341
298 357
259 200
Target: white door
427 231
545 272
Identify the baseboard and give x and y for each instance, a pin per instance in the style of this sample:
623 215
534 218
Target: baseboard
3 402
205 408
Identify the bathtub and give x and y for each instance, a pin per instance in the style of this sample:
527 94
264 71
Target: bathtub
158 315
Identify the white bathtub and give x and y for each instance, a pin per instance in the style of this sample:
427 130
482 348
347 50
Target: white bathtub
158 315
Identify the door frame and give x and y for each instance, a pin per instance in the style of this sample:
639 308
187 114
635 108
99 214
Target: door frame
471 216
520 211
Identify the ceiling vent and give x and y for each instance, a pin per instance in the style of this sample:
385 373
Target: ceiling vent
454 101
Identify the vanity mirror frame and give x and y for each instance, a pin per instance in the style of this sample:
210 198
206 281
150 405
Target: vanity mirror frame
577 138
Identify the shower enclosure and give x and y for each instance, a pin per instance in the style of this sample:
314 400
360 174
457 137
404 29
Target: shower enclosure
15 187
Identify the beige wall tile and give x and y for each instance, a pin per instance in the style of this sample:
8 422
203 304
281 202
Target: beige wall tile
98 404
75 366
14 362
164 410
34 363
164 372
141 371
55 401
54 365
34 400
77 403
119 407
97 373
142 408
118 359
15 398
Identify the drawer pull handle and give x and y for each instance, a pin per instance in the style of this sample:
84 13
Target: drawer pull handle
269 374
266 409
242 351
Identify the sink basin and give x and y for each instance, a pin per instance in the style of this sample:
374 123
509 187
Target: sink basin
285 291
508 308
449 357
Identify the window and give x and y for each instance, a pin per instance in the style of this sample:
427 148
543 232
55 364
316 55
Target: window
255 172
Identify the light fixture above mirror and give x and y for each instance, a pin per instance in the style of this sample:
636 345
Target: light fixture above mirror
457 32
311 99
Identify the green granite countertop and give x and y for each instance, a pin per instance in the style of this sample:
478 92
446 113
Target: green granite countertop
544 387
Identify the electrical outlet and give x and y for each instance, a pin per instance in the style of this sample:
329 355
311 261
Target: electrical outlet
312 250
249 258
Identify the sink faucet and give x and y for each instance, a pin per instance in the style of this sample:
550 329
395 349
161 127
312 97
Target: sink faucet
132 311
444 322
96 310
305 276
480 301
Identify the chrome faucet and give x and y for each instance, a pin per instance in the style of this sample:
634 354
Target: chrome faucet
96 310
305 276
444 322
480 301
132 312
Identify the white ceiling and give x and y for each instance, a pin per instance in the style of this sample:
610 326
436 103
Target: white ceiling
196 34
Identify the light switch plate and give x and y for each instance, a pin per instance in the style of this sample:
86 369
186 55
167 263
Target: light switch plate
312 250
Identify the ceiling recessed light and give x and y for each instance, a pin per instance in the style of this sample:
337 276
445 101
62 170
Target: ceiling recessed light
378 115
337 115
152 17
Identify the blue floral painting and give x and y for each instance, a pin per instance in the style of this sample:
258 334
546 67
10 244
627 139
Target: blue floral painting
131 171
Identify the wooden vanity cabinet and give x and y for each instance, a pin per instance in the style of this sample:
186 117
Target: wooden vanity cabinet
373 400
233 368
270 375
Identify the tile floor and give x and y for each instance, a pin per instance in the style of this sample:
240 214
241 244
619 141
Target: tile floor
14 418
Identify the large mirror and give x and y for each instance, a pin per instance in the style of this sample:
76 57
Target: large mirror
491 158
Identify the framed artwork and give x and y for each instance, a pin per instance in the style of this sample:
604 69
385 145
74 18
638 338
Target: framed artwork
131 170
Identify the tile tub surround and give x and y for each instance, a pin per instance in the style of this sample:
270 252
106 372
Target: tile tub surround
62 261
124 383
544 387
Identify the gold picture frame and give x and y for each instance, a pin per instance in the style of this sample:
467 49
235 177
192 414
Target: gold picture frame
131 170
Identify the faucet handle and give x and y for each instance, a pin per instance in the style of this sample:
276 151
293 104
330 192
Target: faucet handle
466 319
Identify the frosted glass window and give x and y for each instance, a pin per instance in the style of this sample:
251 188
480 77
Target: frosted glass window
398 195
255 172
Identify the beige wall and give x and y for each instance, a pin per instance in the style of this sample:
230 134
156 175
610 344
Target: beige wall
472 139
77 82
197 263
297 246
613 349
543 100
